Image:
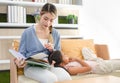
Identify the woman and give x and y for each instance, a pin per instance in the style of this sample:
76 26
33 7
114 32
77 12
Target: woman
92 64
43 39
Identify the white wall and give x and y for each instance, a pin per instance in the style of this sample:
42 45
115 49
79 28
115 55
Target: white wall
100 20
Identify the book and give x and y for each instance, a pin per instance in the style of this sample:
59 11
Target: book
16 54
38 62
31 61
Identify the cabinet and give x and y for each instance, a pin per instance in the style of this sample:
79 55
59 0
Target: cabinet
28 4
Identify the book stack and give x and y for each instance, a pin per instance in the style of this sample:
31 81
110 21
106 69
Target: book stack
16 14
65 1
43 1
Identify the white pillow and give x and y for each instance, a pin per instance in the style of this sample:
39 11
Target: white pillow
88 54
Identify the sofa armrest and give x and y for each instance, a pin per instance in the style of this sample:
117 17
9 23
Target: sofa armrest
13 71
102 51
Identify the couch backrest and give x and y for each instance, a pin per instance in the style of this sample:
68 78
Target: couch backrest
102 51
73 47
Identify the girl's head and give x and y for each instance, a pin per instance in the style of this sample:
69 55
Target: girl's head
57 57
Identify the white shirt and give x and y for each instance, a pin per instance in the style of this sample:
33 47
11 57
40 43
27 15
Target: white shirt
43 41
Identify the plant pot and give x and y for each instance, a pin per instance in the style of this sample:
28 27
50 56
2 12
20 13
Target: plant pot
37 18
71 21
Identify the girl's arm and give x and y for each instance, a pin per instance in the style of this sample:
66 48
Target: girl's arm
73 70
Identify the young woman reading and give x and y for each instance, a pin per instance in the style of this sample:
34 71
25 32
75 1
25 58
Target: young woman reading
42 38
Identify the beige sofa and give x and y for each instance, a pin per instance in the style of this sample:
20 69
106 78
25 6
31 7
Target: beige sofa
72 48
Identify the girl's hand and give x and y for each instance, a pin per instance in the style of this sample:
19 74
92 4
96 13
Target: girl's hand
20 62
49 46
72 59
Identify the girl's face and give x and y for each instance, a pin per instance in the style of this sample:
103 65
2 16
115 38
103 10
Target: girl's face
46 20
65 59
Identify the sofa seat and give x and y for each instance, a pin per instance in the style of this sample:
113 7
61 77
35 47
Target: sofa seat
23 79
90 75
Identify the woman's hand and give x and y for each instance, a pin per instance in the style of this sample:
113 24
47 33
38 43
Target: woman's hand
20 62
53 63
49 46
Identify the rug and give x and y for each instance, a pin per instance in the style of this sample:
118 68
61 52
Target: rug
4 76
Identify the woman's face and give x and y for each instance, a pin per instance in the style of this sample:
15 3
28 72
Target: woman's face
46 20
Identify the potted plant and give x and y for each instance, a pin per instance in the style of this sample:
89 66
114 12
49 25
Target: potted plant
37 15
71 19
76 20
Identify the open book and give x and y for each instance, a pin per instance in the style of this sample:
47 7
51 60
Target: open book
38 63
31 61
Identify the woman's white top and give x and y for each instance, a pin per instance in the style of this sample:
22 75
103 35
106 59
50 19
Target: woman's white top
43 41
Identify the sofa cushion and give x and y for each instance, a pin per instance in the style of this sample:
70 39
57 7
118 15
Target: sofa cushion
23 79
73 47
102 51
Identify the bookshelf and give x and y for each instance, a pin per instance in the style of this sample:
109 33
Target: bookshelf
28 3
25 25
35 4
18 37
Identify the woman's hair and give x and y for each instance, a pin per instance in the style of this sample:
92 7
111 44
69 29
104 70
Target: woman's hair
49 8
55 56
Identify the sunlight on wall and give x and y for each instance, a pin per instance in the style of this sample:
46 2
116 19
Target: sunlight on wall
100 21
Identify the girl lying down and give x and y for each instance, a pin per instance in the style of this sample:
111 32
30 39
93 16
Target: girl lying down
91 63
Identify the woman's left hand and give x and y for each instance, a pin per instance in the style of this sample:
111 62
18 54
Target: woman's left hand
20 62
53 63
49 46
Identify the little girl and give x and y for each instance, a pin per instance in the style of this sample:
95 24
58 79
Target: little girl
72 65
91 63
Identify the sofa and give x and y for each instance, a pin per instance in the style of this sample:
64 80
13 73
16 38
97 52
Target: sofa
72 48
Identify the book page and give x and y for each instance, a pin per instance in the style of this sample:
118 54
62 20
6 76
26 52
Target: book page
31 61
16 54
39 56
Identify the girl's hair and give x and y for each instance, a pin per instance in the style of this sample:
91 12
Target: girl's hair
57 57
49 8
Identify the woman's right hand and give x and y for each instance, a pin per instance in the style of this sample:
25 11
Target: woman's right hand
20 62
49 46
